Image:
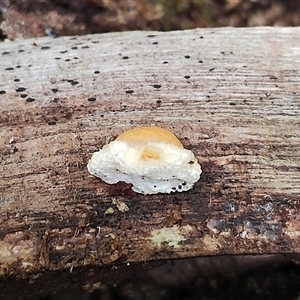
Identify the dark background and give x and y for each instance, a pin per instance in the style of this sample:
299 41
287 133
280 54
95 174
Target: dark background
32 18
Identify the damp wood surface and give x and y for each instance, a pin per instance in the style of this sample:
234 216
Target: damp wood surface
230 95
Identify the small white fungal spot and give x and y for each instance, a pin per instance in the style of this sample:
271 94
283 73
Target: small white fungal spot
120 205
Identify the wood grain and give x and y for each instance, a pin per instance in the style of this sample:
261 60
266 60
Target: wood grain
230 95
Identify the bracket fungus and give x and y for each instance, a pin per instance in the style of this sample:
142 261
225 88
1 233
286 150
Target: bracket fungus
152 159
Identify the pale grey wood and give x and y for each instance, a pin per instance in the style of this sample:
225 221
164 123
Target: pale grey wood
229 94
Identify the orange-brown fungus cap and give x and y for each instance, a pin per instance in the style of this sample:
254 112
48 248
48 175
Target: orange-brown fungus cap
153 133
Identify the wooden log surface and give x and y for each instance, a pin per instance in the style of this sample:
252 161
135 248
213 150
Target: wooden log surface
230 95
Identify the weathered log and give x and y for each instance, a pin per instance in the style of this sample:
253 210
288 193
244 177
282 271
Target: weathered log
230 95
